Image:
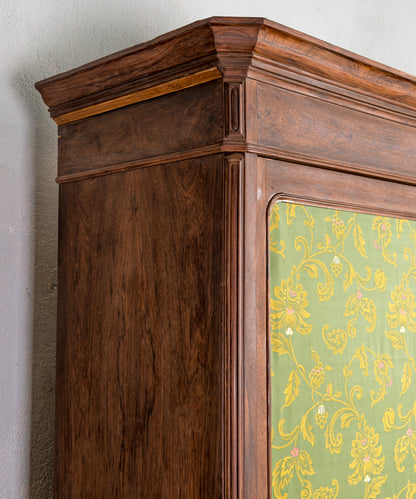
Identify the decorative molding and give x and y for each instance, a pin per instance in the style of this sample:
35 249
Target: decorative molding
235 110
346 190
338 205
139 96
328 164
340 95
142 163
241 147
233 426
234 45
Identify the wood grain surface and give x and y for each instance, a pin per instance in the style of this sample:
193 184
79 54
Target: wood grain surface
176 122
141 307
308 126
163 343
218 42
167 51
322 187
140 96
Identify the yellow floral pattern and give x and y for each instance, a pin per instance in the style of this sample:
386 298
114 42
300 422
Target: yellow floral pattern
343 343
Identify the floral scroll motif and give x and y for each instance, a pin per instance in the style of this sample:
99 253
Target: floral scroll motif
343 341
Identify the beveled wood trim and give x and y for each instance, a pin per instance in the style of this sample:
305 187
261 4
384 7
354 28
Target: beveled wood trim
255 396
140 96
234 109
256 41
322 162
342 95
233 428
338 189
142 163
170 50
339 205
266 222
306 54
241 147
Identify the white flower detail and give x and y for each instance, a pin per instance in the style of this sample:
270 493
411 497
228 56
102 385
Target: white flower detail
321 409
367 478
402 329
289 331
336 260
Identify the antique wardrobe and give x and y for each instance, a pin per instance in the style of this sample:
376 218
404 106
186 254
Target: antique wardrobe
237 269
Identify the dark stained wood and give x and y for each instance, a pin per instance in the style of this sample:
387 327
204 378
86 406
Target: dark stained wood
303 53
184 120
197 152
255 339
141 305
170 50
256 42
233 478
321 187
299 124
163 386
139 96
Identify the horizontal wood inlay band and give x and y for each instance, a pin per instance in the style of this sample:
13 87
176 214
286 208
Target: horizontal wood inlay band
141 95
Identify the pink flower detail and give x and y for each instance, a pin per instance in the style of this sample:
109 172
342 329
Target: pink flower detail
295 452
384 227
381 365
292 293
402 312
366 459
409 432
364 442
289 311
359 295
390 382
404 297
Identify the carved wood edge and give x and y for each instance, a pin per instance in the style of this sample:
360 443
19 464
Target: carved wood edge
289 79
337 205
239 147
140 96
141 163
307 55
329 164
235 114
256 41
233 389
341 95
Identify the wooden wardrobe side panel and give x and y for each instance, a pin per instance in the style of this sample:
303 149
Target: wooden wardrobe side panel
140 321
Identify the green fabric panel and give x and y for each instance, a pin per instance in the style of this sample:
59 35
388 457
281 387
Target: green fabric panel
343 341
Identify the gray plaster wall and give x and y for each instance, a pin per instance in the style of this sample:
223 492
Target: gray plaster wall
40 38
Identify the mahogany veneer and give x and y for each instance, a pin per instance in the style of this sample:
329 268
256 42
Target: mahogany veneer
169 155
